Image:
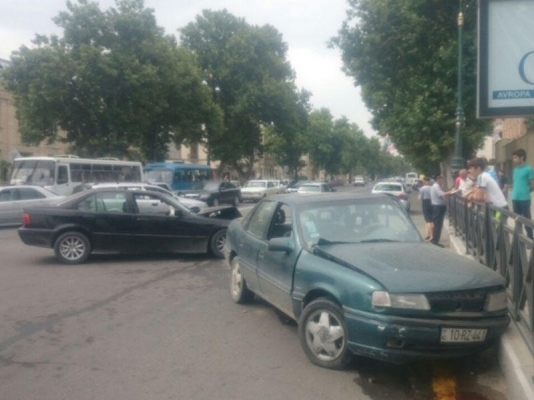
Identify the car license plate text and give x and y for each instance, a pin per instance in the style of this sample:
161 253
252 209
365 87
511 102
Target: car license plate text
461 335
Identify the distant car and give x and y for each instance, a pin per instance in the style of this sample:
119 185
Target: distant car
13 199
359 181
123 221
315 187
214 193
255 190
396 189
281 188
196 206
353 270
294 187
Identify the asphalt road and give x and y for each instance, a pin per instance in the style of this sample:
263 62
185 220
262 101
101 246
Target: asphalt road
164 327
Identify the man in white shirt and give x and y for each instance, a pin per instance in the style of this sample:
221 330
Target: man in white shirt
439 208
492 192
466 183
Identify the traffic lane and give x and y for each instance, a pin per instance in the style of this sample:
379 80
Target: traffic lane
103 305
144 327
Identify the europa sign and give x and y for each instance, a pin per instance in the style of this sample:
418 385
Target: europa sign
505 58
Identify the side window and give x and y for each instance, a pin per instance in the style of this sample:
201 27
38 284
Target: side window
29 194
7 195
62 175
270 184
106 202
148 204
281 225
259 222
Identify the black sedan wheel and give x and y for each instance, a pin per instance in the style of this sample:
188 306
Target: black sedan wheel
72 248
217 242
239 291
323 334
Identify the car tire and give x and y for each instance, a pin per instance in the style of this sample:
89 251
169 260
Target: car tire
236 201
72 248
239 290
323 334
217 243
215 203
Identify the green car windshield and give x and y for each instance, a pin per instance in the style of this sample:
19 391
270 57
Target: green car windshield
354 221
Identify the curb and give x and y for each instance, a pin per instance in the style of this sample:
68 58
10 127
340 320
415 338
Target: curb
515 358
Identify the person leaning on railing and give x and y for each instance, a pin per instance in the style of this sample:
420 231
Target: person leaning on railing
487 189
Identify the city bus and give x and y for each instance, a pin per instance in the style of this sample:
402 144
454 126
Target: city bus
62 174
177 174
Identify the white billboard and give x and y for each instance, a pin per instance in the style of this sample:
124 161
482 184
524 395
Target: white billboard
506 58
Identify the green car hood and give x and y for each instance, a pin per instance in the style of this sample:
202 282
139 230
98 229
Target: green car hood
412 267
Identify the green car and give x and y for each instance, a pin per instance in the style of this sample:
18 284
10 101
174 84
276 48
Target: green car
355 274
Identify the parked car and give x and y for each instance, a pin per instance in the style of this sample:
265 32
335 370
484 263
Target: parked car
196 206
396 189
294 187
280 187
315 187
14 198
256 190
121 220
354 272
359 181
214 193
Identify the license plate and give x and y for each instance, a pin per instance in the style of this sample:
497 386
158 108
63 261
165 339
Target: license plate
461 335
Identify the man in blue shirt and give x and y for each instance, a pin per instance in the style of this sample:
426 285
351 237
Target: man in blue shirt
522 185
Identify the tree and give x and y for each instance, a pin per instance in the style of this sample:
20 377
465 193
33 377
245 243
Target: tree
247 65
114 82
403 54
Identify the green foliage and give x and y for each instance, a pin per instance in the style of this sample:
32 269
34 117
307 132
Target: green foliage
403 54
246 68
114 82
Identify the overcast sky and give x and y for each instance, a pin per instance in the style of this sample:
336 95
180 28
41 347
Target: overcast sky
306 26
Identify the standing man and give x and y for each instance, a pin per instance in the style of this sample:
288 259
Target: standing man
426 202
492 191
439 207
522 185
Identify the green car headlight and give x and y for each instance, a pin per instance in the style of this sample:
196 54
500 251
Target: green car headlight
496 301
404 301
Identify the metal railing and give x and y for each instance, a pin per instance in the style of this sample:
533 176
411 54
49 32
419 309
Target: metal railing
496 239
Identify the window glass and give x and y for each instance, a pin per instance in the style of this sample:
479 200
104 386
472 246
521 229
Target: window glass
62 175
148 204
259 222
29 194
7 195
105 202
281 225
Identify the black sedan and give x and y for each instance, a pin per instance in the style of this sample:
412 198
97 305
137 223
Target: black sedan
122 220
356 275
215 193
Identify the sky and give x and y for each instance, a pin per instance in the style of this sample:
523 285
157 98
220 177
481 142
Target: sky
306 26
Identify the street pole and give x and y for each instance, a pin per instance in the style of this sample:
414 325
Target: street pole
458 161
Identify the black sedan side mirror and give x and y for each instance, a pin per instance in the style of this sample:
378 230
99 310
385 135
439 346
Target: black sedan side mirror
281 244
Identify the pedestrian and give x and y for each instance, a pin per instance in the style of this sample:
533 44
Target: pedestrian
503 183
439 208
490 170
426 202
465 184
491 191
522 185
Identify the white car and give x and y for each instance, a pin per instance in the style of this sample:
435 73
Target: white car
396 189
256 190
13 199
280 187
194 205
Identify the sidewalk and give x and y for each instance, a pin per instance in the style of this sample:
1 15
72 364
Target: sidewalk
517 363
